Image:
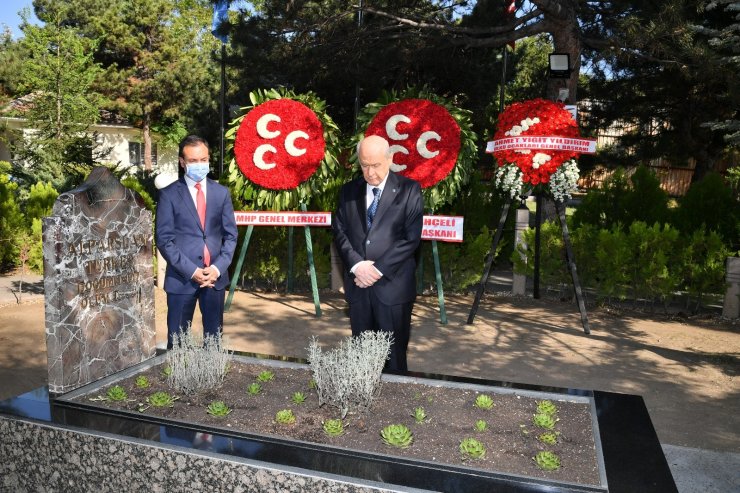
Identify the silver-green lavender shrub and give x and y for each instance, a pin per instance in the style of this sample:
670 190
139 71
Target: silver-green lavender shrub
348 377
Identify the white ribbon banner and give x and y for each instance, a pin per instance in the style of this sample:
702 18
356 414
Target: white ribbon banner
443 228
538 142
254 218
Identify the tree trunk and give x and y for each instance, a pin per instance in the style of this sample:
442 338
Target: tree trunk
564 30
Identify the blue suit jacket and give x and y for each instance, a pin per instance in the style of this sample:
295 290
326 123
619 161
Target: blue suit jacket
180 237
391 242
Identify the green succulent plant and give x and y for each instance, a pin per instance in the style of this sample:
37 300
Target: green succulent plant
116 393
312 384
546 421
265 376
142 382
471 448
549 437
218 408
298 397
419 414
484 401
397 435
161 399
546 407
167 371
333 427
547 461
254 388
285 417
481 425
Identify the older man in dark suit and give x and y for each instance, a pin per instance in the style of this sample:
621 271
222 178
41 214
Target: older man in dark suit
377 231
196 234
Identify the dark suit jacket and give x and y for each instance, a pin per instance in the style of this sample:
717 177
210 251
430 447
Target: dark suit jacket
391 242
180 236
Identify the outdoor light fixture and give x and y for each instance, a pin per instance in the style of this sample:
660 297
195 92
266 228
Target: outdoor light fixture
560 65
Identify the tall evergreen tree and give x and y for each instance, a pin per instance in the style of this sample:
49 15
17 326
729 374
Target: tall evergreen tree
58 74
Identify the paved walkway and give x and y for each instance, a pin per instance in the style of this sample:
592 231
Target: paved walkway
684 369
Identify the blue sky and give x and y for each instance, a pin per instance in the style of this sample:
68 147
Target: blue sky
9 14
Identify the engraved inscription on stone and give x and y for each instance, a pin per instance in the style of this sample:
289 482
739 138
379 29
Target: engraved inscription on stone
98 282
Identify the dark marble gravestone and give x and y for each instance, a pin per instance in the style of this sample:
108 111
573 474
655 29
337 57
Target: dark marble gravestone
98 282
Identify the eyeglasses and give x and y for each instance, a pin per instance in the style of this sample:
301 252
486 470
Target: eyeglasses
204 160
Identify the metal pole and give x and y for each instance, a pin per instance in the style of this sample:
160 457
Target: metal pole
489 261
357 80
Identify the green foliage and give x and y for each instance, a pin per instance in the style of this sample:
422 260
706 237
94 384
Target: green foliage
116 393
419 414
265 376
546 421
333 427
552 257
652 263
161 399
40 201
484 401
548 437
622 200
298 397
546 407
547 461
11 219
285 417
472 449
134 183
59 73
254 388
653 253
703 264
481 425
710 204
218 409
142 382
397 436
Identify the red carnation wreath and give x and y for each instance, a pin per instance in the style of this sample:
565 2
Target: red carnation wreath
279 144
535 118
424 139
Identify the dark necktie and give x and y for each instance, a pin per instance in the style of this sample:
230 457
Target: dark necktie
200 201
373 207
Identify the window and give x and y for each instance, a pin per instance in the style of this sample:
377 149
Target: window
136 154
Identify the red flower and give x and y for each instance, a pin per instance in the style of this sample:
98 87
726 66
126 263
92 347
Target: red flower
279 144
535 117
424 139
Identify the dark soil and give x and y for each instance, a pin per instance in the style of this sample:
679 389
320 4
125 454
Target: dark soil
511 438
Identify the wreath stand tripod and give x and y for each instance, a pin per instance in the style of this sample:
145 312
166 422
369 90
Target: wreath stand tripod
569 258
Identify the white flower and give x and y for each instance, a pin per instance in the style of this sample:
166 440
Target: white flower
508 178
564 181
539 159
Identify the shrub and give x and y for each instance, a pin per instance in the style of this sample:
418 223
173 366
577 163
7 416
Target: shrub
197 363
703 265
349 375
622 200
710 204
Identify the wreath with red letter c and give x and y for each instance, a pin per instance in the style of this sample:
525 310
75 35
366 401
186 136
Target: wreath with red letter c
431 140
284 147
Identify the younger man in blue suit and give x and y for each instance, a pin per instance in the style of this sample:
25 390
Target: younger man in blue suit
196 234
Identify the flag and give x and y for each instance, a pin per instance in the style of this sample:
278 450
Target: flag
220 15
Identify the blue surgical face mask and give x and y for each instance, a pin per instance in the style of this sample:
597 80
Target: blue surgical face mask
197 171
